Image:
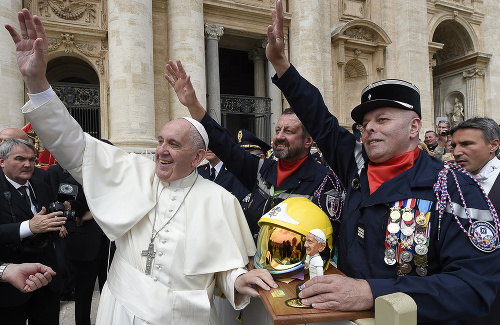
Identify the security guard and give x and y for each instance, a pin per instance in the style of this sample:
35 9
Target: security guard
248 141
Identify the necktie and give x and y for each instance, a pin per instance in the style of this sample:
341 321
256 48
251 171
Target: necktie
212 173
24 192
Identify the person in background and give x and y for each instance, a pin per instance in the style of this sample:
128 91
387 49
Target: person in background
431 140
475 142
248 141
443 133
215 171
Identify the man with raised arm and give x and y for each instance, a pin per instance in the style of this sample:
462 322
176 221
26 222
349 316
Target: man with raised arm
294 173
177 234
395 235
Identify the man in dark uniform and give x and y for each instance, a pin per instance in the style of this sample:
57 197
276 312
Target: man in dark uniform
86 247
26 234
294 173
248 141
395 236
216 171
475 142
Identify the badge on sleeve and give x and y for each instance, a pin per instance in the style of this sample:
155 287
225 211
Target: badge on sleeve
332 204
482 235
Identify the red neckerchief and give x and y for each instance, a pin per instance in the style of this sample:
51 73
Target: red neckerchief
286 169
379 173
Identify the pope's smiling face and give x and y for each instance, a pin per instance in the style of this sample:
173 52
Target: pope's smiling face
176 154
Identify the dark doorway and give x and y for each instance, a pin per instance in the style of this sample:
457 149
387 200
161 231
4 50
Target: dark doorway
77 85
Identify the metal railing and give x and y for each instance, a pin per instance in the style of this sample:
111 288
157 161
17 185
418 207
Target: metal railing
83 103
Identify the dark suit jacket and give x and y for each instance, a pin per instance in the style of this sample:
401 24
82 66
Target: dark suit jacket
225 179
41 174
82 243
11 246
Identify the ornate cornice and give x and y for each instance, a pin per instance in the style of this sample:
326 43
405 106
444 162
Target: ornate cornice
67 41
69 10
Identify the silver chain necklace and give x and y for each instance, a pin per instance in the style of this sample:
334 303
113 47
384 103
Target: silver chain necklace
150 252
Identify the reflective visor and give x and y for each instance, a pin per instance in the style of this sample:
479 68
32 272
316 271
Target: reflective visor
279 250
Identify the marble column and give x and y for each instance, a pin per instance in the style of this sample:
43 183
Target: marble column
306 36
408 56
186 42
274 93
131 77
11 82
435 96
471 76
212 37
258 56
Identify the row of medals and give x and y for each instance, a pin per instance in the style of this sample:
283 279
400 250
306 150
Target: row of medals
412 234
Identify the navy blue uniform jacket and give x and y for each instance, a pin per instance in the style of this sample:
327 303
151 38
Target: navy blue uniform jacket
462 281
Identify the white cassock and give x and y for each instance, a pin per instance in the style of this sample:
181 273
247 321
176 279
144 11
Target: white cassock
315 263
201 237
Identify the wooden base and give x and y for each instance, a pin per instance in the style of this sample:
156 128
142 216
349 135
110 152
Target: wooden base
282 314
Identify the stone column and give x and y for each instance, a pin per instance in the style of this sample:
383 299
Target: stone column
435 91
408 55
471 76
212 37
131 78
258 56
11 82
186 42
274 93
307 36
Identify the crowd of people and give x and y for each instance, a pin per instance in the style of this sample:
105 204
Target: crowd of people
404 218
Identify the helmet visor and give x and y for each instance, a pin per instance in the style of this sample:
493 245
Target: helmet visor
279 250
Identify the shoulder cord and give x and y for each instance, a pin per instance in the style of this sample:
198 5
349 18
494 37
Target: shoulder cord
442 195
337 185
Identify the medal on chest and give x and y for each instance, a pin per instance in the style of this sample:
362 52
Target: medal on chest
406 238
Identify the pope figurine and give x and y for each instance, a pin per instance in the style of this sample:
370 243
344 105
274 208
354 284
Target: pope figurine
315 243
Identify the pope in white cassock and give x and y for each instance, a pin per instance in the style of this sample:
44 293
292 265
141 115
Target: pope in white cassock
177 234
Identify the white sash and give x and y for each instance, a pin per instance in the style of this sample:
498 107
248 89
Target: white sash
138 293
154 302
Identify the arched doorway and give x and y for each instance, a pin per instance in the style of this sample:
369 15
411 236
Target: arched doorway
77 85
458 72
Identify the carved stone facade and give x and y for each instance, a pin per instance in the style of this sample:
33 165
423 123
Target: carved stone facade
448 48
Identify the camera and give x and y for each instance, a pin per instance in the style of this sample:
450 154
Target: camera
66 192
445 132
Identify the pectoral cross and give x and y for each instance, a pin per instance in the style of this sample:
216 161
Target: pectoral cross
150 254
